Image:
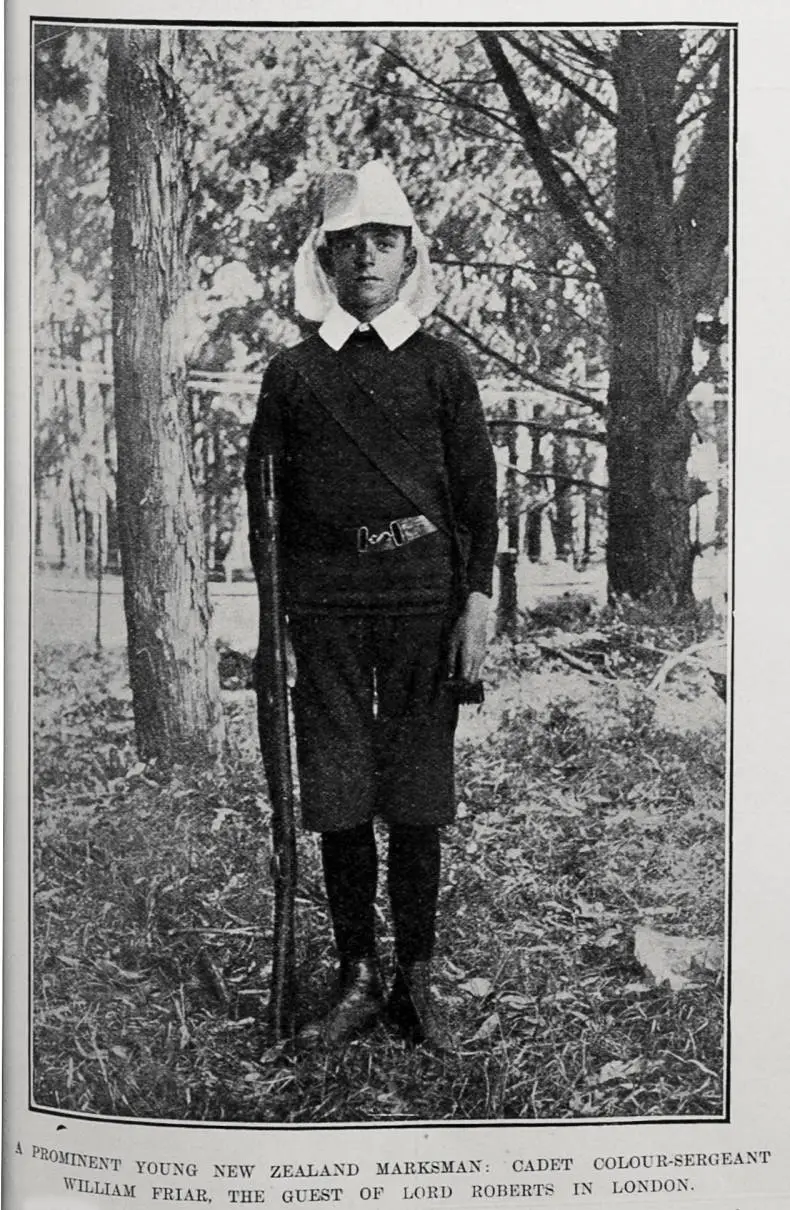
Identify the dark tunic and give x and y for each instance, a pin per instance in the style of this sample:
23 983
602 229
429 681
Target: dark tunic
328 487
374 726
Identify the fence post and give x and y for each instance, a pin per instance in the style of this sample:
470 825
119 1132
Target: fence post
507 600
563 507
99 577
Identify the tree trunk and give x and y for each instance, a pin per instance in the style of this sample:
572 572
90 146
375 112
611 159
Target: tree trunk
507 604
112 555
73 348
649 424
38 472
534 524
89 531
721 435
722 432
656 273
99 583
60 528
172 669
218 495
112 559
563 499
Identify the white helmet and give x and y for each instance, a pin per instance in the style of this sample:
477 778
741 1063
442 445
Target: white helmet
351 199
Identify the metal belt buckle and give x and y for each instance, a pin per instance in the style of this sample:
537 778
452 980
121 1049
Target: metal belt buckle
396 533
386 539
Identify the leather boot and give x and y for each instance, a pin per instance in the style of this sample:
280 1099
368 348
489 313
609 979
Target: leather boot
412 1010
360 1001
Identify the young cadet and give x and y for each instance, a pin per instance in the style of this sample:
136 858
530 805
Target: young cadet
388 518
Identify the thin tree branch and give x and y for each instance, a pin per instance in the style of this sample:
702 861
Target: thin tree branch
527 269
441 109
692 117
571 60
684 92
560 653
570 480
518 216
63 33
554 72
493 115
454 123
478 81
589 196
556 388
540 154
586 320
702 212
588 52
514 366
695 48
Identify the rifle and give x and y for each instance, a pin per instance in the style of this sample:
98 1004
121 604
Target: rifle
273 732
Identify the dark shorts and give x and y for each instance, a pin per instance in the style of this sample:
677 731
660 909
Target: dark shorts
374 725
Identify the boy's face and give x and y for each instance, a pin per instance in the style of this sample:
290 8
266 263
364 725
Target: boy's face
368 266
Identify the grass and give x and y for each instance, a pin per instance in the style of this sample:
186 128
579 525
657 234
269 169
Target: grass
584 813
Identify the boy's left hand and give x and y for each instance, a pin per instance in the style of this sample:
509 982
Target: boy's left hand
469 638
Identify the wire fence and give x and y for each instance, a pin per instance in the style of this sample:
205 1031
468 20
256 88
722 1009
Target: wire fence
550 452
549 464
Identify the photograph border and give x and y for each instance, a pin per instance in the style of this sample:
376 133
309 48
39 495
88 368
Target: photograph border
725 1118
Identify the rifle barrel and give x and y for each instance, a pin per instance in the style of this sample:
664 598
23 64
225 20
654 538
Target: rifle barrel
274 734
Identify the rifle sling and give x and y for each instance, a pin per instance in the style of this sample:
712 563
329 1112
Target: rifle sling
364 417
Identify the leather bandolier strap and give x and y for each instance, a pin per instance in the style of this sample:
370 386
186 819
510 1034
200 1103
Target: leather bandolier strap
365 417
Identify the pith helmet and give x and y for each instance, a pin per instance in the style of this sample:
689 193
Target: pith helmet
351 199
371 195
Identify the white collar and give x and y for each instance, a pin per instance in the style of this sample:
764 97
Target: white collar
394 326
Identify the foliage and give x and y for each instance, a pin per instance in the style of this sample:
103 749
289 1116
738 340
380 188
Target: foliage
657 260
585 812
72 235
269 110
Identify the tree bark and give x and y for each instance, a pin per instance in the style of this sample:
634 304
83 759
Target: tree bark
173 672
722 435
656 273
38 472
112 554
652 312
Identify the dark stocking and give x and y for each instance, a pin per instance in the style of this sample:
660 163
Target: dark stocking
413 882
350 875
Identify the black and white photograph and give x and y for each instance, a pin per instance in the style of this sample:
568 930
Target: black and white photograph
381 547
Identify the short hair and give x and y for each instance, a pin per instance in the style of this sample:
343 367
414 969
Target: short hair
407 231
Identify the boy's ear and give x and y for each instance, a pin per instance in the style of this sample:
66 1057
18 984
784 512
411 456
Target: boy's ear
409 261
324 254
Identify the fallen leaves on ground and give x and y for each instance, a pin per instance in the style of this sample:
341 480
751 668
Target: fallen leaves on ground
582 904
